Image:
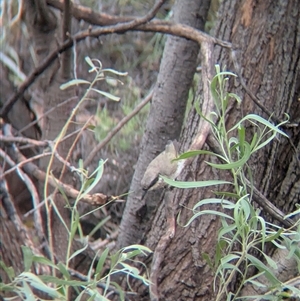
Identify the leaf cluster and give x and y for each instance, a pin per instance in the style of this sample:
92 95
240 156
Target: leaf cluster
243 231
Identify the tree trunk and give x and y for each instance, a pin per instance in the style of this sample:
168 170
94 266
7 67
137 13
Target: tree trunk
265 37
166 116
45 28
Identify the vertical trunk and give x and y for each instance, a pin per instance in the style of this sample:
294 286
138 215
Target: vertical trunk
45 28
166 115
265 37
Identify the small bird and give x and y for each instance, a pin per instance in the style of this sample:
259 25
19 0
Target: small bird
163 165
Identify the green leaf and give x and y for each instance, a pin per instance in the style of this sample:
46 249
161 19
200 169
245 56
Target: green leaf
220 248
115 72
132 270
236 97
37 283
91 269
138 247
27 292
78 251
74 82
119 290
253 141
270 261
74 224
43 260
227 194
263 268
114 259
204 117
213 201
237 164
261 120
229 257
275 236
242 134
100 264
206 257
59 215
28 258
99 225
195 153
204 212
195 184
98 175
89 61
64 271
8 270
106 94
79 297
229 229
59 281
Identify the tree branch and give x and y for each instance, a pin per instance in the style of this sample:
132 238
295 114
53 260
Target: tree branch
66 61
166 27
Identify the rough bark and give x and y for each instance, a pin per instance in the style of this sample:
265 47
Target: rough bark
265 37
166 115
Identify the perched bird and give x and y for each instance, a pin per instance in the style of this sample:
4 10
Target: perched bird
163 165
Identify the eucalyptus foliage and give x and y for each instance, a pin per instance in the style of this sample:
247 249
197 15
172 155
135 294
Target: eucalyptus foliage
243 231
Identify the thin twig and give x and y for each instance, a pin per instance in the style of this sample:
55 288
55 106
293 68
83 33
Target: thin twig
18 165
12 139
66 58
249 92
31 188
117 128
23 140
70 152
46 113
32 169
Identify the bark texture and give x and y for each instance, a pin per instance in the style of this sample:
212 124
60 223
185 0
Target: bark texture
266 40
166 116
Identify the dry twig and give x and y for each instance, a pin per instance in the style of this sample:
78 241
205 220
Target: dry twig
32 169
117 128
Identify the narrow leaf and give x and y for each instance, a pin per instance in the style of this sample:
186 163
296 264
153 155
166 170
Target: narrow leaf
106 94
236 164
195 153
89 61
99 268
28 258
74 82
63 270
193 184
